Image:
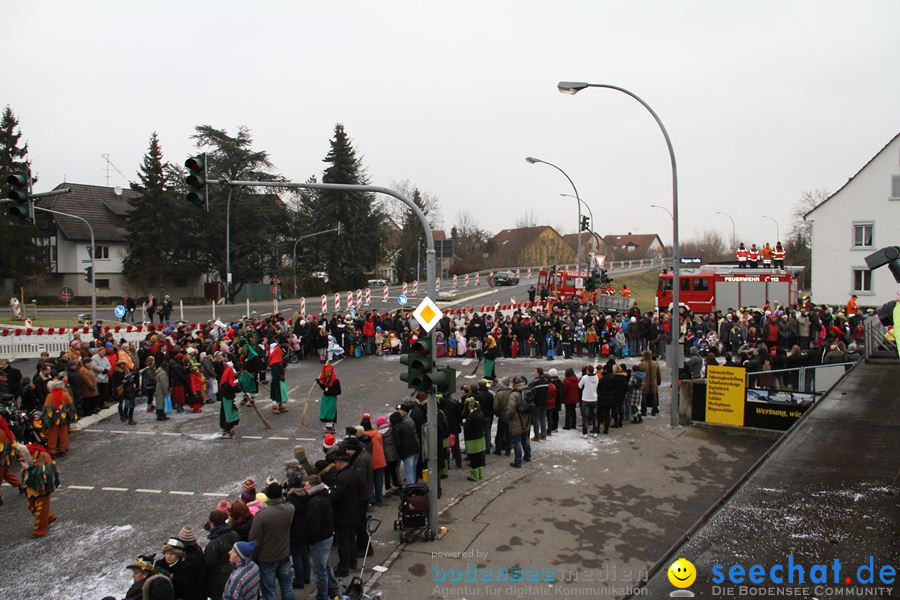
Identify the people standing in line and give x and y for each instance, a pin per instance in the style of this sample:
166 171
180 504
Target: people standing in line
753 257
778 255
216 554
161 392
473 428
571 398
244 581
318 530
742 255
502 441
519 420
538 389
650 388
766 254
59 413
271 531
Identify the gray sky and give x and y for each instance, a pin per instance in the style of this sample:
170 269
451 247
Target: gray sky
762 99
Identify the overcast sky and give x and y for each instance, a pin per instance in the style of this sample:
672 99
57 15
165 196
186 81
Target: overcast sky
762 100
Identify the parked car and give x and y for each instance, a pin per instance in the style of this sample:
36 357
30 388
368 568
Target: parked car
319 275
503 278
372 283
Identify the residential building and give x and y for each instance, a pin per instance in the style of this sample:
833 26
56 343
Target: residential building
527 246
634 246
68 245
862 216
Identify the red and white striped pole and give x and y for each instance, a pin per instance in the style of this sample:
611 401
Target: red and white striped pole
349 300
528 275
467 280
405 288
324 304
477 278
454 282
437 284
415 287
358 298
368 296
337 301
385 294
303 306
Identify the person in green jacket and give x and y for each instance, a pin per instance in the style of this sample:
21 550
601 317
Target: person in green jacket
473 429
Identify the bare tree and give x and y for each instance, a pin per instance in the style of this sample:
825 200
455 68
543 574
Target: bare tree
527 220
708 245
798 245
397 211
469 240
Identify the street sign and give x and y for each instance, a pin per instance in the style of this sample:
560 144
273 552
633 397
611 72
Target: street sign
119 311
427 314
690 261
66 294
401 299
86 261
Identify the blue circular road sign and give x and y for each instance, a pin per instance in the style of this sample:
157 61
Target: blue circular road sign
119 311
401 299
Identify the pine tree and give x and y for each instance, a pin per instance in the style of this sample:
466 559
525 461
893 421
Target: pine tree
356 252
411 254
162 236
20 257
259 223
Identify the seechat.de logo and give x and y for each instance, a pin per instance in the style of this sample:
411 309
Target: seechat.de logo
682 574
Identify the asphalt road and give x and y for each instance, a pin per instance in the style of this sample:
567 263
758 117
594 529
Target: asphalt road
125 490
472 294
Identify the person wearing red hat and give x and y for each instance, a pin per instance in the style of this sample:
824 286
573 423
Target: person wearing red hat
277 387
229 415
41 479
331 389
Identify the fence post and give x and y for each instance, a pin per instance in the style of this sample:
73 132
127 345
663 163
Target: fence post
181 308
802 379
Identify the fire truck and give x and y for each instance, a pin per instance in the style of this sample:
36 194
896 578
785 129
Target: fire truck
709 288
563 285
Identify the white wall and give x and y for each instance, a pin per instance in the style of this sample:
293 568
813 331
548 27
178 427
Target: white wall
865 199
70 255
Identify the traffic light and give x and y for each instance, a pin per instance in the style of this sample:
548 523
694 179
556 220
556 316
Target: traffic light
585 223
419 366
196 180
604 278
589 283
445 380
89 274
18 193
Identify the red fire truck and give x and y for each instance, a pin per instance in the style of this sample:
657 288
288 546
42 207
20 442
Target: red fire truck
709 288
563 285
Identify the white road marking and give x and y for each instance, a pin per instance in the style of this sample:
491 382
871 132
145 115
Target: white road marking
118 431
279 438
177 493
141 491
144 432
468 361
92 430
80 487
113 489
252 437
306 439
171 434
215 495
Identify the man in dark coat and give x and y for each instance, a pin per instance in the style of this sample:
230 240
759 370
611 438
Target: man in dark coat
345 495
215 556
404 432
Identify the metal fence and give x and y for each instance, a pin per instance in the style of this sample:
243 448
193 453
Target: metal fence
816 379
31 346
877 342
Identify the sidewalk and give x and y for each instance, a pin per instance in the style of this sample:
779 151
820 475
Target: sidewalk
605 508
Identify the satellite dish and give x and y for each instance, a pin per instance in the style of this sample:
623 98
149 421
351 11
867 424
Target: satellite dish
117 190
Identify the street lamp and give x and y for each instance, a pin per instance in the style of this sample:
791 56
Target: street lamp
593 223
573 87
662 208
777 229
733 236
531 160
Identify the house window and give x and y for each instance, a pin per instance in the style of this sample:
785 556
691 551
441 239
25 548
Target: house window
100 252
895 187
862 280
102 284
47 247
862 235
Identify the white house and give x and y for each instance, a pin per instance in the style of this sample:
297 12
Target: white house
68 247
858 219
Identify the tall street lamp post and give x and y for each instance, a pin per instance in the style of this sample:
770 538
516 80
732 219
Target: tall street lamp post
531 160
733 236
662 208
777 229
573 87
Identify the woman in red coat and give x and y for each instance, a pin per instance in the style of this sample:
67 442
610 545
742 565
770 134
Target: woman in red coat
571 398
379 461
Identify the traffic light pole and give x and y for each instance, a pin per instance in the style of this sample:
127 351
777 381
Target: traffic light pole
93 245
433 476
307 236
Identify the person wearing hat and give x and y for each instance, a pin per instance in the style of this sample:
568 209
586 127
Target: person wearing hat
345 500
41 479
216 554
403 429
59 412
194 564
271 531
141 568
124 390
244 581
229 414
362 466
296 495
172 564
278 391
317 532
392 471
331 389
379 461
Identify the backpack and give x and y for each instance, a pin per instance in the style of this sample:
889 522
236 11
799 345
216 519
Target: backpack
527 405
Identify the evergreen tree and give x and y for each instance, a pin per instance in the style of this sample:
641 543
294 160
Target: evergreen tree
411 253
348 258
20 257
163 237
259 219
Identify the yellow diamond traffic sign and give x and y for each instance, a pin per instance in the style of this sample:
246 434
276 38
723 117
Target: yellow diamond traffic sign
427 314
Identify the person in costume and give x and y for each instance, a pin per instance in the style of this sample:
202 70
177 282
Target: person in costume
8 453
229 415
141 569
331 389
473 428
249 366
59 411
277 386
41 479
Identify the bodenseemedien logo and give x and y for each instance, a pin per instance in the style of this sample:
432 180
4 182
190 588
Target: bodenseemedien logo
682 574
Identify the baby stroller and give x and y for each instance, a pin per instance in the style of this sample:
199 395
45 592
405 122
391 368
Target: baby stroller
412 516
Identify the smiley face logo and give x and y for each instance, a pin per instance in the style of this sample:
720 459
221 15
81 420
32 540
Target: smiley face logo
682 573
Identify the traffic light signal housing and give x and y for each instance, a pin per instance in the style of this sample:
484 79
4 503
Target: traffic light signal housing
196 180
585 223
89 274
445 380
419 366
18 193
589 283
604 278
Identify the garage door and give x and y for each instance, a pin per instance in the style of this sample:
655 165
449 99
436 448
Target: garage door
778 291
753 294
727 295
